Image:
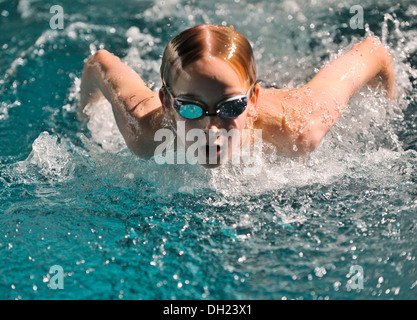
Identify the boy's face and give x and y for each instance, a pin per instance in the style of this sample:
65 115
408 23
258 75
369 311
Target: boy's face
210 80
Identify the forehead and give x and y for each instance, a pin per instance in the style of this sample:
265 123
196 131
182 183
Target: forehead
206 76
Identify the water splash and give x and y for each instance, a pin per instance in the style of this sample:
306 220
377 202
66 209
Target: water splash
103 127
50 161
363 133
291 231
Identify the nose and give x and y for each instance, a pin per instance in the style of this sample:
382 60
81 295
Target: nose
211 123
211 126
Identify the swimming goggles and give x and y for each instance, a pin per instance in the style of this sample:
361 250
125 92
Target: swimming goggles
229 108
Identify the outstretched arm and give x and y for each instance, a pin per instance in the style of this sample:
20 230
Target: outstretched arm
332 87
136 108
366 61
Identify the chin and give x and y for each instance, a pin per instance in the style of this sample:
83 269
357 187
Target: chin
208 163
211 166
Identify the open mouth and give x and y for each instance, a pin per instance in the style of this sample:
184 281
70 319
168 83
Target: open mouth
212 150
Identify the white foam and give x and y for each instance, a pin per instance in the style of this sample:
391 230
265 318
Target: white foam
50 159
73 95
103 127
140 46
24 8
362 141
5 107
74 31
162 9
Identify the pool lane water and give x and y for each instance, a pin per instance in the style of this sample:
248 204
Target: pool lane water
123 228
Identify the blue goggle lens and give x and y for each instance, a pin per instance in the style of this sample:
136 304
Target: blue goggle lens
234 108
190 111
228 110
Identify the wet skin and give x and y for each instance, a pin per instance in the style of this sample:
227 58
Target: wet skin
293 120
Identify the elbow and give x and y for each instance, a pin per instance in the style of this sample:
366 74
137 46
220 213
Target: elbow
308 146
303 142
101 55
140 152
313 143
104 58
307 143
314 139
140 148
374 40
94 59
101 58
93 64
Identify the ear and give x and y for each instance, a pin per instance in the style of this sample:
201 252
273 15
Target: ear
166 104
253 102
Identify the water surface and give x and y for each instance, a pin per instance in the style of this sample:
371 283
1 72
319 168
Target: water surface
72 195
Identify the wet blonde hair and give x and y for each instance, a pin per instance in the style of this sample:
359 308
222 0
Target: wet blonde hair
208 39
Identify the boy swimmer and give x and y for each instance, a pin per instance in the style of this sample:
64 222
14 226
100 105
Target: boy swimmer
209 83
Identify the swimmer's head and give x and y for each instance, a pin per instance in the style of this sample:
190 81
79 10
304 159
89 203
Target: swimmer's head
210 69
208 40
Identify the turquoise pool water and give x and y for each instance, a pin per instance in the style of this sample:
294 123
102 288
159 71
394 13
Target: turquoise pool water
123 228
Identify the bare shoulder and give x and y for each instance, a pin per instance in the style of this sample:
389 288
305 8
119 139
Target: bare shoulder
282 116
270 101
279 104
